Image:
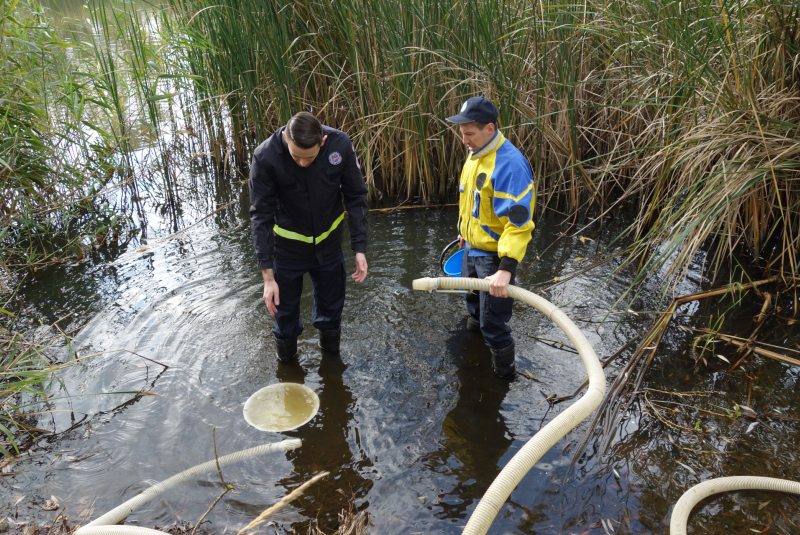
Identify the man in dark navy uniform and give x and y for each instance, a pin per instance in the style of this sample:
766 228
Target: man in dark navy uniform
298 179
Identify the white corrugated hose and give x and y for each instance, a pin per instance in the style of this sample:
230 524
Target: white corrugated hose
549 435
680 514
105 524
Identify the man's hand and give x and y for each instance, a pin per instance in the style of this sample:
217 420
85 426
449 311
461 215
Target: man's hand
271 292
361 268
461 241
498 283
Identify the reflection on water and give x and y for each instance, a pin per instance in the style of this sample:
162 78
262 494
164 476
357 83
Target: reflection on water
412 422
326 446
474 434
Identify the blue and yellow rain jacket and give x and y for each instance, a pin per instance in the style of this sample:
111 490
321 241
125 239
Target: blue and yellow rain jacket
496 202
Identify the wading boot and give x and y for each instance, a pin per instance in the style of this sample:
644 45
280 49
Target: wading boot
286 349
503 362
473 324
329 340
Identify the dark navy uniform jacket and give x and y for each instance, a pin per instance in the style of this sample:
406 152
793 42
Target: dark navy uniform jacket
296 212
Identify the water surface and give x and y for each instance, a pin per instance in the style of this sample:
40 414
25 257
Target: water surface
412 424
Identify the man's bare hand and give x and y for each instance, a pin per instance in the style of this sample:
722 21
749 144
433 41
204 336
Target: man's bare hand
461 241
361 268
498 283
271 292
272 297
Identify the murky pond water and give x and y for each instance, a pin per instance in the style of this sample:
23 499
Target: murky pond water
411 422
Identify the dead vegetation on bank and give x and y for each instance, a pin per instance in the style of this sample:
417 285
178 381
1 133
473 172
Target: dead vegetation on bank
351 522
25 372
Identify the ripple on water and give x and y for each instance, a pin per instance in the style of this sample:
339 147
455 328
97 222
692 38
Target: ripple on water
411 418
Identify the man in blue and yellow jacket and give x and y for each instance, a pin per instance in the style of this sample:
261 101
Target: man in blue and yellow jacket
496 200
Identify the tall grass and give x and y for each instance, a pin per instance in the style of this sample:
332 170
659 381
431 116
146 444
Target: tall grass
54 164
688 111
70 104
82 127
24 372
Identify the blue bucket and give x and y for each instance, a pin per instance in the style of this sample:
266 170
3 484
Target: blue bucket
452 267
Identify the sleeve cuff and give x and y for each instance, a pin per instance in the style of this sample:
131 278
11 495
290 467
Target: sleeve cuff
360 248
508 264
265 264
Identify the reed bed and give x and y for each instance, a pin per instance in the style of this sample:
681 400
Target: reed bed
81 127
689 113
66 163
56 158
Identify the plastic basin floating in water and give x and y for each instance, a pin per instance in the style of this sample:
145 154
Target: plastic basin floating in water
281 407
452 267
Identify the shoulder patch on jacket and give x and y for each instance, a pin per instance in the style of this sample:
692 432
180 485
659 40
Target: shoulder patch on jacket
518 214
335 158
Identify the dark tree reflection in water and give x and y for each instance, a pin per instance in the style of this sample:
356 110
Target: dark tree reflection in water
326 447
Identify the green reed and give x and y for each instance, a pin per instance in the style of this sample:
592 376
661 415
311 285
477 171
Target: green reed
688 111
23 374
80 102
51 167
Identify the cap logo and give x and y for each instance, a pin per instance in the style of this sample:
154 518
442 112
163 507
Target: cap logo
335 158
463 107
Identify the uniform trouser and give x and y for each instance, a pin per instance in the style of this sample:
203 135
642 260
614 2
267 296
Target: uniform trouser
493 312
328 280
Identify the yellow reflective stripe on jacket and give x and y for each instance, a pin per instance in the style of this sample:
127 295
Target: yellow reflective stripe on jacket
503 195
333 227
289 235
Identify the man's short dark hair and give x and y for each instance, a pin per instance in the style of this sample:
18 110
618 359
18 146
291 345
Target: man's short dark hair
304 130
480 126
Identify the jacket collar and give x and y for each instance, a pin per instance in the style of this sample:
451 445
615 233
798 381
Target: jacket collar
490 147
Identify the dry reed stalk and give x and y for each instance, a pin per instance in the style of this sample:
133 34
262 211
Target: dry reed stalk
351 522
410 207
228 486
747 344
296 493
765 307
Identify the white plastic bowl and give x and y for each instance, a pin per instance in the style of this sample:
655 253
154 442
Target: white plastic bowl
281 407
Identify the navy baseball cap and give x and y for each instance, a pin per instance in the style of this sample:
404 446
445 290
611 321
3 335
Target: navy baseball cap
475 109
